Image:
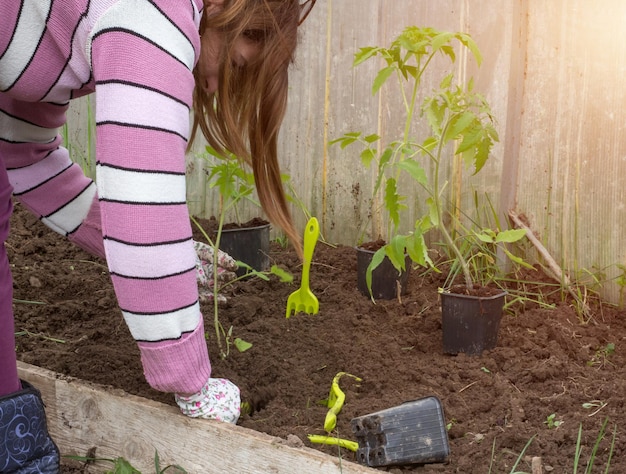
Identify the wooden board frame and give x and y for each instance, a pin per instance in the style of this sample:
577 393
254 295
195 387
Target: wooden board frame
83 415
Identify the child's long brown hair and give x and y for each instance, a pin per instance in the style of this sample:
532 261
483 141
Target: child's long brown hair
245 113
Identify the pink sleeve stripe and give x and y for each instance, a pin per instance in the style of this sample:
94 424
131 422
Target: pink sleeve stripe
42 114
9 12
134 146
149 261
138 54
134 106
57 191
19 155
145 224
156 296
25 179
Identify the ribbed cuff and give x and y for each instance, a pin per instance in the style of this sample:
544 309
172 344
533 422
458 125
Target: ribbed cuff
180 366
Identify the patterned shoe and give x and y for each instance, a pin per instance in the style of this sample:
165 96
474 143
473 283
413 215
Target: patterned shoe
27 446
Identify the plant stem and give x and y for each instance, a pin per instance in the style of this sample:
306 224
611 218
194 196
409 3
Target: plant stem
469 284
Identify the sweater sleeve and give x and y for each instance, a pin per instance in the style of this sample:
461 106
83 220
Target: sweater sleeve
142 56
43 177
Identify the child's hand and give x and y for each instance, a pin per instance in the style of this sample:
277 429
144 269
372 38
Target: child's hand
226 267
219 399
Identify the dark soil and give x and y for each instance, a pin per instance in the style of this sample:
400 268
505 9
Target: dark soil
546 362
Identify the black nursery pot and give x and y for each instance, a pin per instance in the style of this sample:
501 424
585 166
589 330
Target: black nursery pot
250 245
386 280
470 324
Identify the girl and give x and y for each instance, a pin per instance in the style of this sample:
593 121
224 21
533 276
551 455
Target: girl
150 63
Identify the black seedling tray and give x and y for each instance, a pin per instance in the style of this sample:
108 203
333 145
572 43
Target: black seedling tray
411 433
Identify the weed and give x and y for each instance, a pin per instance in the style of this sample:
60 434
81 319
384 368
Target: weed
594 450
621 282
595 405
39 335
551 422
601 357
122 466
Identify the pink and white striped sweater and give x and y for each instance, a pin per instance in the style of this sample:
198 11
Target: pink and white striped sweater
137 57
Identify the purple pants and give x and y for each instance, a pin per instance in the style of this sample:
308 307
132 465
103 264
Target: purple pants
9 381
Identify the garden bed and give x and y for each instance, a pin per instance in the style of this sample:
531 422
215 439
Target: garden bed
546 362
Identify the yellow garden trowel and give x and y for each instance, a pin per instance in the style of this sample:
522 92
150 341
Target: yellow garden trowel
303 300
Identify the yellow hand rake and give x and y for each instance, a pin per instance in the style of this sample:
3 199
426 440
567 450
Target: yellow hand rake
303 299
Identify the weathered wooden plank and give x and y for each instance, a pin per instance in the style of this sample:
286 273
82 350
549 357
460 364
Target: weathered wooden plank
83 415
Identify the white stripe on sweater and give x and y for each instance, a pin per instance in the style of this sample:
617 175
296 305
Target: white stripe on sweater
70 216
143 18
138 187
162 326
149 261
16 130
28 30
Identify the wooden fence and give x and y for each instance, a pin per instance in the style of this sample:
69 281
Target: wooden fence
553 72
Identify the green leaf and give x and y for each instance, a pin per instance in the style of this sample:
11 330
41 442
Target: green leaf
122 466
371 138
367 156
459 124
395 251
381 78
241 345
470 139
283 275
415 170
441 39
393 201
487 235
418 250
377 259
518 260
432 211
467 41
511 235
364 54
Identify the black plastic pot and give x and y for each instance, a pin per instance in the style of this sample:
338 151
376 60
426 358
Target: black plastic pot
250 245
386 280
470 324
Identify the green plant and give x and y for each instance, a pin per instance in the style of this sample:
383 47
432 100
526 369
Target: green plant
122 466
551 422
228 174
517 460
220 331
595 405
233 181
621 283
601 356
594 450
460 126
39 335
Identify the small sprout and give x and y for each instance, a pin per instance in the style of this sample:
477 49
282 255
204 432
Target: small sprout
552 422
601 356
595 405
485 370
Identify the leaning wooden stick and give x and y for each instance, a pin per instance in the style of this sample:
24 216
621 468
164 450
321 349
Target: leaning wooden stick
554 267
557 272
